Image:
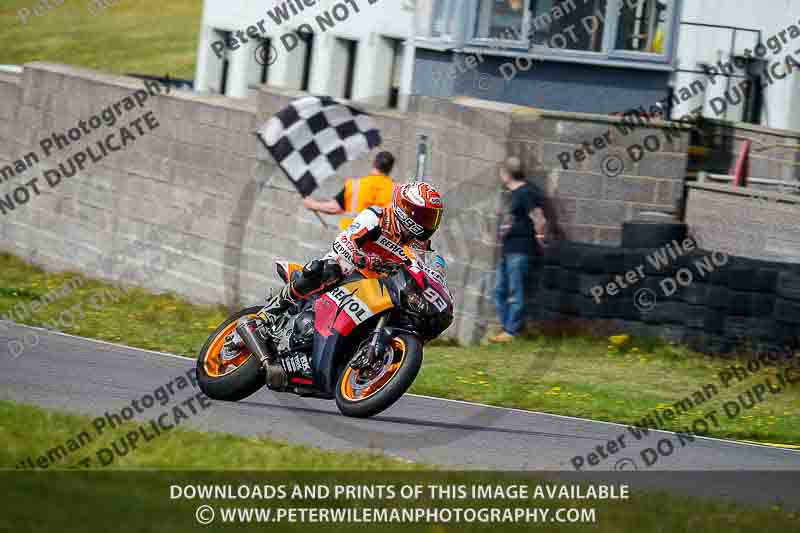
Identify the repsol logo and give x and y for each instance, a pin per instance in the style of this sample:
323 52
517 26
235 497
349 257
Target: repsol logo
343 250
347 302
391 246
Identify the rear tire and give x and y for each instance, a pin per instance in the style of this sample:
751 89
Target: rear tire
237 384
389 392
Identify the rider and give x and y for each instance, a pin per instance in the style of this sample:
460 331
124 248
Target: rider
376 237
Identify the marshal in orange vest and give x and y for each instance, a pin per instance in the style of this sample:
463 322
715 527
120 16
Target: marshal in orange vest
362 193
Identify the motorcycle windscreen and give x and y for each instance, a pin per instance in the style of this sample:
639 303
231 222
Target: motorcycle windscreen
343 308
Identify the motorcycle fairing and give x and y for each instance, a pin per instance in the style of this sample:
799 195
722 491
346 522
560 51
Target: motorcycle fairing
286 268
323 361
336 314
343 308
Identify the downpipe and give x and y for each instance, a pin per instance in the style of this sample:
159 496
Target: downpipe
247 328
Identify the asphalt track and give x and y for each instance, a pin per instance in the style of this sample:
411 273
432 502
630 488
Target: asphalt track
91 377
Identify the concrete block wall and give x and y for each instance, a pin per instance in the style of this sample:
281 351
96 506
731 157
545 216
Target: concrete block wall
167 195
590 203
468 139
197 207
774 154
730 220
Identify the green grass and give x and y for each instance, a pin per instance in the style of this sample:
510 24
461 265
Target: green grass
573 376
30 432
134 492
134 36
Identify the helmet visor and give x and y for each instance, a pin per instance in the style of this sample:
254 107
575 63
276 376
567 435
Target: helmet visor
427 217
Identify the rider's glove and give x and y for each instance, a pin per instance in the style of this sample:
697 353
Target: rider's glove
373 262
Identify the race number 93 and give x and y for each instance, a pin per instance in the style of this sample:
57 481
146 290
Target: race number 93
435 299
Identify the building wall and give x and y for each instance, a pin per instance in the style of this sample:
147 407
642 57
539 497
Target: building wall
731 220
704 45
196 207
552 85
592 198
371 25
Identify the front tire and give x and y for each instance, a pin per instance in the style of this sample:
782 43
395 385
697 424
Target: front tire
362 396
234 381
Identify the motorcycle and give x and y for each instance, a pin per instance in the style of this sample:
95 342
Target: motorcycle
359 343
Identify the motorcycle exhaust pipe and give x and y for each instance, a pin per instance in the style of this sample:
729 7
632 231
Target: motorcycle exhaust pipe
247 328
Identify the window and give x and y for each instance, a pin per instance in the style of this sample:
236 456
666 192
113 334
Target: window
344 55
308 39
264 60
300 58
385 82
218 68
604 29
642 26
500 19
443 19
568 24
395 81
258 64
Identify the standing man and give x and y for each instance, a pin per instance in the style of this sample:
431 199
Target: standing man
359 194
520 234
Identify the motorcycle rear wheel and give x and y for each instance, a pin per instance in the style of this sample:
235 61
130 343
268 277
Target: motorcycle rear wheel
231 381
361 395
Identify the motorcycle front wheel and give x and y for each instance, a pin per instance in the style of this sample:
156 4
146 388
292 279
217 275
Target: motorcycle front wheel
366 392
234 379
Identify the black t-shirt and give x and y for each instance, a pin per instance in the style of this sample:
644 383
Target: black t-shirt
517 232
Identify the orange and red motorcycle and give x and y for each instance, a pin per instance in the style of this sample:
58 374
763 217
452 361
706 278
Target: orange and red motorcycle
359 343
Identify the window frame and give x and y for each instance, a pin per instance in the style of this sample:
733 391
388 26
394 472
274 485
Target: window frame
608 53
493 42
669 35
456 35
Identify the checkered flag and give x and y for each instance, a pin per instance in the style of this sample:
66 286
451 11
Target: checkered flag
312 137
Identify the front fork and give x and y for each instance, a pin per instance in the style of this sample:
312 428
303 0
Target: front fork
376 342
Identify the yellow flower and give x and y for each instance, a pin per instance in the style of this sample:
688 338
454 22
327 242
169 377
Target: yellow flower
619 340
634 349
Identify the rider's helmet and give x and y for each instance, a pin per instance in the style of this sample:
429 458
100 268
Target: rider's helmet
417 209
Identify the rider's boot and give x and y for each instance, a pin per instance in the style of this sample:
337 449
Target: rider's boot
278 304
275 307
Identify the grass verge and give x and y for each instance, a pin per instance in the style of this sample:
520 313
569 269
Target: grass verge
135 493
28 431
130 36
579 377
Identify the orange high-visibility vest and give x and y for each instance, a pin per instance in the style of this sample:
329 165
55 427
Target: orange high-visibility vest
362 193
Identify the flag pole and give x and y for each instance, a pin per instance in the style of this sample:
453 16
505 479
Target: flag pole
319 217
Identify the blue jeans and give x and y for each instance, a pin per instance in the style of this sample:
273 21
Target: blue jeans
512 275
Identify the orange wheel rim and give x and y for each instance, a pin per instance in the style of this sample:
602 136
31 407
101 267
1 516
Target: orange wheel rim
212 360
356 388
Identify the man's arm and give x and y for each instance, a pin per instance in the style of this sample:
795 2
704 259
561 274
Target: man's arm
330 207
334 206
539 221
537 213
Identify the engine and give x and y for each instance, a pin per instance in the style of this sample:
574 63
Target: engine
302 330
